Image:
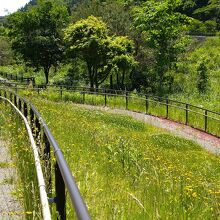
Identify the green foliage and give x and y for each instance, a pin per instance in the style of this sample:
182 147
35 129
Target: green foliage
113 13
129 170
162 28
36 34
88 39
202 78
6 56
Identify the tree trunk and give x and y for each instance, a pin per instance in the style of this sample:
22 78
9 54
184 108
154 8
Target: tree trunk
117 79
111 82
122 80
46 73
96 79
91 81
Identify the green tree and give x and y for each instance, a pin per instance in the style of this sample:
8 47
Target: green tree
37 34
88 40
162 29
122 58
6 56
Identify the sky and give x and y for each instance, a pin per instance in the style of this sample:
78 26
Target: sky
10 6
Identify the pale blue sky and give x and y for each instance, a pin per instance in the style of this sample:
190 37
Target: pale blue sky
10 6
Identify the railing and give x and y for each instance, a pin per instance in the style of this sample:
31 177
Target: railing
182 112
188 114
62 176
17 77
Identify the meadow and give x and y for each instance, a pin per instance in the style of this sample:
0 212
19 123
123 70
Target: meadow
175 111
130 170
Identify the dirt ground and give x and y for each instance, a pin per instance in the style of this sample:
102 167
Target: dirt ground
10 207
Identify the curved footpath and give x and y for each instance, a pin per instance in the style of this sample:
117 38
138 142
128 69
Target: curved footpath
207 141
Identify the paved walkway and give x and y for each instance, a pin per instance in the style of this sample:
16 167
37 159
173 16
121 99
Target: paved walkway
10 208
207 141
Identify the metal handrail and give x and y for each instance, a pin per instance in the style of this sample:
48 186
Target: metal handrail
64 170
144 97
40 177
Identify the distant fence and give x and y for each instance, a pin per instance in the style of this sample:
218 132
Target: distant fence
60 173
18 78
182 112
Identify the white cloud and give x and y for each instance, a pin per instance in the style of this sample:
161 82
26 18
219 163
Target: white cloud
10 6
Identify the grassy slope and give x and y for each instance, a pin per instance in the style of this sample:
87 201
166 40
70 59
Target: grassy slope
209 52
129 170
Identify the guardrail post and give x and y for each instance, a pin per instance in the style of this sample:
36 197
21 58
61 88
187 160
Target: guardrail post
167 107
37 126
47 163
25 110
206 120
105 98
61 92
147 104
15 100
19 104
187 114
126 99
11 99
32 118
60 193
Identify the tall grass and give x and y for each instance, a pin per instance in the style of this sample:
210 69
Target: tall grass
156 107
129 170
27 186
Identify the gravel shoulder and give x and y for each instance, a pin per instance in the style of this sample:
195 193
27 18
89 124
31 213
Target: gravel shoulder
10 207
207 141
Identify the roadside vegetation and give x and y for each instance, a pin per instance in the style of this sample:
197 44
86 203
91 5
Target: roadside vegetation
130 170
13 131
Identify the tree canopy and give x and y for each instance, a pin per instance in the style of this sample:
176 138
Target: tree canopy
37 34
162 29
88 39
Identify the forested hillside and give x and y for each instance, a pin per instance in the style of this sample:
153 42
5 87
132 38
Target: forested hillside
145 46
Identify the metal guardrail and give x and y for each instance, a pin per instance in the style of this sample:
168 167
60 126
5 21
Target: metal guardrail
148 100
17 77
187 108
41 182
63 176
